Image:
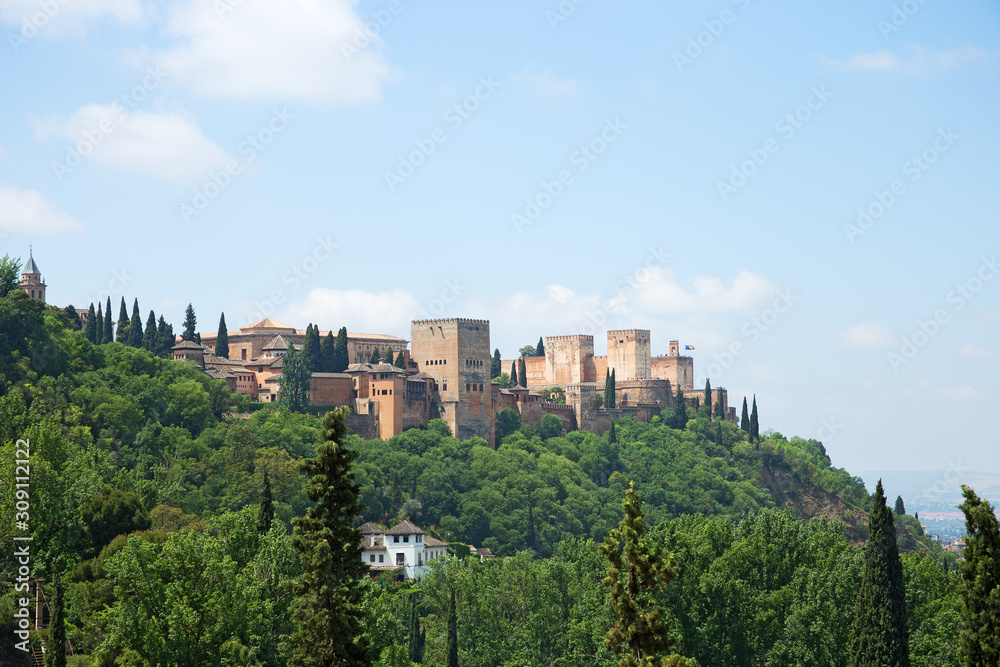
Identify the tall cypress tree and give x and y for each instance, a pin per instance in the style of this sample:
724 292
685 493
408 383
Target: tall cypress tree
293 384
496 364
612 436
190 324
265 511
149 335
522 373
327 609
513 374
311 353
135 326
680 410
400 360
979 636
754 424
418 636
222 339
718 435
708 397
451 650
607 390
879 634
718 412
745 418
90 330
635 574
612 400
55 654
99 326
164 339
109 324
121 334
900 508
342 356
328 352
374 359
540 348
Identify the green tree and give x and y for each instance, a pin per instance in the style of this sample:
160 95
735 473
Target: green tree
496 364
754 424
400 360
417 636
312 351
342 360
149 335
265 511
451 651
190 324
612 436
507 421
717 412
108 335
513 374
900 508
327 609
328 351
99 326
979 637
527 351
374 358
608 390
293 385
121 333
522 373
680 410
135 327
165 339
879 633
745 418
55 655
10 274
635 574
540 348
110 513
90 331
708 397
222 339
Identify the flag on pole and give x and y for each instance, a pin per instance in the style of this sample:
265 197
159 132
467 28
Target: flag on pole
689 347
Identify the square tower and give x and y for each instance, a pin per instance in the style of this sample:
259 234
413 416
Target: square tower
628 354
566 358
456 353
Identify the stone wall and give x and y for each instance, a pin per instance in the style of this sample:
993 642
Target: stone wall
628 354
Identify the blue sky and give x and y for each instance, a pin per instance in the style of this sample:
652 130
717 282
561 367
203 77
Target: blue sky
696 169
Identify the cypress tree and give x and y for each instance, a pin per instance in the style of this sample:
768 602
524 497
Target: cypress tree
190 324
979 636
327 609
400 360
109 324
635 573
374 359
879 634
680 410
513 374
612 436
718 435
99 328
312 354
451 652
496 364
754 424
90 331
135 326
540 348
342 360
121 334
718 412
74 318
708 397
745 418
222 339
328 352
293 385
55 654
265 512
522 373
418 636
164 338
612 400
900 508
149 336
607 389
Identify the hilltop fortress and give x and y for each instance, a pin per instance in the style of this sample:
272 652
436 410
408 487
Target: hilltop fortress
447 376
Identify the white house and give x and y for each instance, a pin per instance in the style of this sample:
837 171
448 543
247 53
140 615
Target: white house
404 548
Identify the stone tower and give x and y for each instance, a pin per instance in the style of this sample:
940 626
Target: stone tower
31 279
456 353
628 354
567 359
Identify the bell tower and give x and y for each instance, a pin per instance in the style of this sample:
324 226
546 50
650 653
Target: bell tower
31 279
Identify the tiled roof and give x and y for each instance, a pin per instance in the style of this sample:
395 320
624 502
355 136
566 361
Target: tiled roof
433 542
187 345
483 551
31 267
277 343
374 368
369 528
268 323
331 375
404 528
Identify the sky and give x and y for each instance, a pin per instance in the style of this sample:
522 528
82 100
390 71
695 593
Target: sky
800 191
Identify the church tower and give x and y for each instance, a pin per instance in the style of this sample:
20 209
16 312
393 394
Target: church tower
31 279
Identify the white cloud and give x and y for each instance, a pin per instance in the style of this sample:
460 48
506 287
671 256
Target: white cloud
920 60
971 351
547 84
663 294
361 311
28 211
32 17
166 145
297 49
867 334
964 393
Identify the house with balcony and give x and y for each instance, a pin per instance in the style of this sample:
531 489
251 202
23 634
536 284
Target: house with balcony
405 548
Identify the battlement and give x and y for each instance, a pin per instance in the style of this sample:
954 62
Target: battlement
582 337
628 331
452 320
